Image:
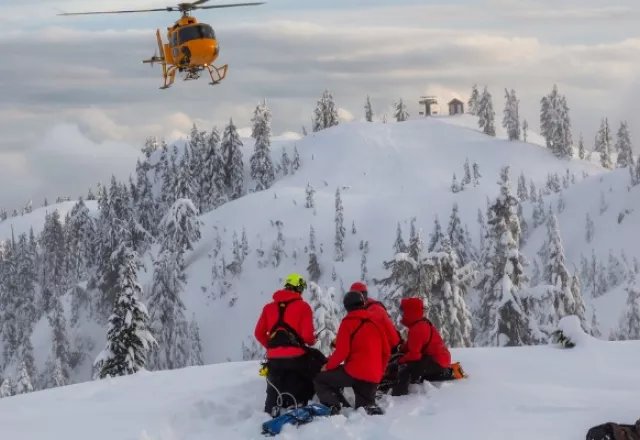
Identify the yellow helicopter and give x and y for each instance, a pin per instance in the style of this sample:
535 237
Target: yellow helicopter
192 46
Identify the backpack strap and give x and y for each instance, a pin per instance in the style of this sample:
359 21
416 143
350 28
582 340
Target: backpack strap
291 338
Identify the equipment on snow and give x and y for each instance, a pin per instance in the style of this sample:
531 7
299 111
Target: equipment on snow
614 431
296 417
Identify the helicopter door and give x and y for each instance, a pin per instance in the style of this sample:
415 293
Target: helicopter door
173 43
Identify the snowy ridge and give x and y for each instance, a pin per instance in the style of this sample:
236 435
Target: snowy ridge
540 392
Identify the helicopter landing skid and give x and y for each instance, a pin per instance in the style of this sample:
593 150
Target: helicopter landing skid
217 70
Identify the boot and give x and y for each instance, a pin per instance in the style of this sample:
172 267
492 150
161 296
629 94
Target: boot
457 372
373 410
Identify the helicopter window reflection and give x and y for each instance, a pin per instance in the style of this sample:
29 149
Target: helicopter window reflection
196 32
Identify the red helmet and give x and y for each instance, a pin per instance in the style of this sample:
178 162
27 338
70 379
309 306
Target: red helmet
359 287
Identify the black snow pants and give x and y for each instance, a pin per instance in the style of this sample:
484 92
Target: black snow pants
426 369
328 385
293 376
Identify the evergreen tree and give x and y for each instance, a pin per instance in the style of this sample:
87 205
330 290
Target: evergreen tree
196 343
213 183
511 120
368 111
555 124
486 114
399 245
262 168
233 162
310 200
128 337
401 114
472 104
340 229
24 384
313 268
325 315
525 130
325 114
623 146
295 163
466 180
57 370
629 327
503 320
581 151
523 192
180 227
476 174
285 162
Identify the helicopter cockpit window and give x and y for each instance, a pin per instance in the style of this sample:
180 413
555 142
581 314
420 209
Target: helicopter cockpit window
196 32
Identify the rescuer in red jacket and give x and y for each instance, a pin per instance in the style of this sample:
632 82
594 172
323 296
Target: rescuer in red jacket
381 317
425 355
364 349
285 328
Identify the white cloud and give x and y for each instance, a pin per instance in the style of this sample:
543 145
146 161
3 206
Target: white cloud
93 79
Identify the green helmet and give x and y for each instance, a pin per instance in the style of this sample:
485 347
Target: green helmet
295 282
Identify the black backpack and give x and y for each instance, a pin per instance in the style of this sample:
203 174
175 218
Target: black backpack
282 334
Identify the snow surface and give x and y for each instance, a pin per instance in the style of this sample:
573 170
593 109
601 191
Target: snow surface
387 173
529 393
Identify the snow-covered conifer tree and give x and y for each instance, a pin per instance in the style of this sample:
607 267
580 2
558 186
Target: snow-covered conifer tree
262 168
472 103
511 119
233 162
325 114
503 320
476 174
285 162
629 327
313 268
466 180
368 111
399 245
486 120
325 315
523 192
213 184
310 200
401 114
340 229
24 383
623 146
581 150
525 130
196 342
180 227
295 163
128 337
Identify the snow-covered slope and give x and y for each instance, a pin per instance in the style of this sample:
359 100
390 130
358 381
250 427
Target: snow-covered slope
387 173
527 393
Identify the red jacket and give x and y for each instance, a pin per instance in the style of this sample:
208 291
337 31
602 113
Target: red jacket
383 320
298 315
423 337
366 356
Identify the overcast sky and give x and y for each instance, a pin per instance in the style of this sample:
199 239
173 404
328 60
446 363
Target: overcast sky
76 101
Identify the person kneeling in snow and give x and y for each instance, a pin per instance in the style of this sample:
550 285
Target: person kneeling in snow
426 356
364 349
380 316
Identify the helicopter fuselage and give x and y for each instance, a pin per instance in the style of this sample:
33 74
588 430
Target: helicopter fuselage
191 44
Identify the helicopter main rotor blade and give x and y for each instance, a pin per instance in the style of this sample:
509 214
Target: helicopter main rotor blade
231 5
198 2
167 9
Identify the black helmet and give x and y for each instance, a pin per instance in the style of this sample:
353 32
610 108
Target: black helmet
353 300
